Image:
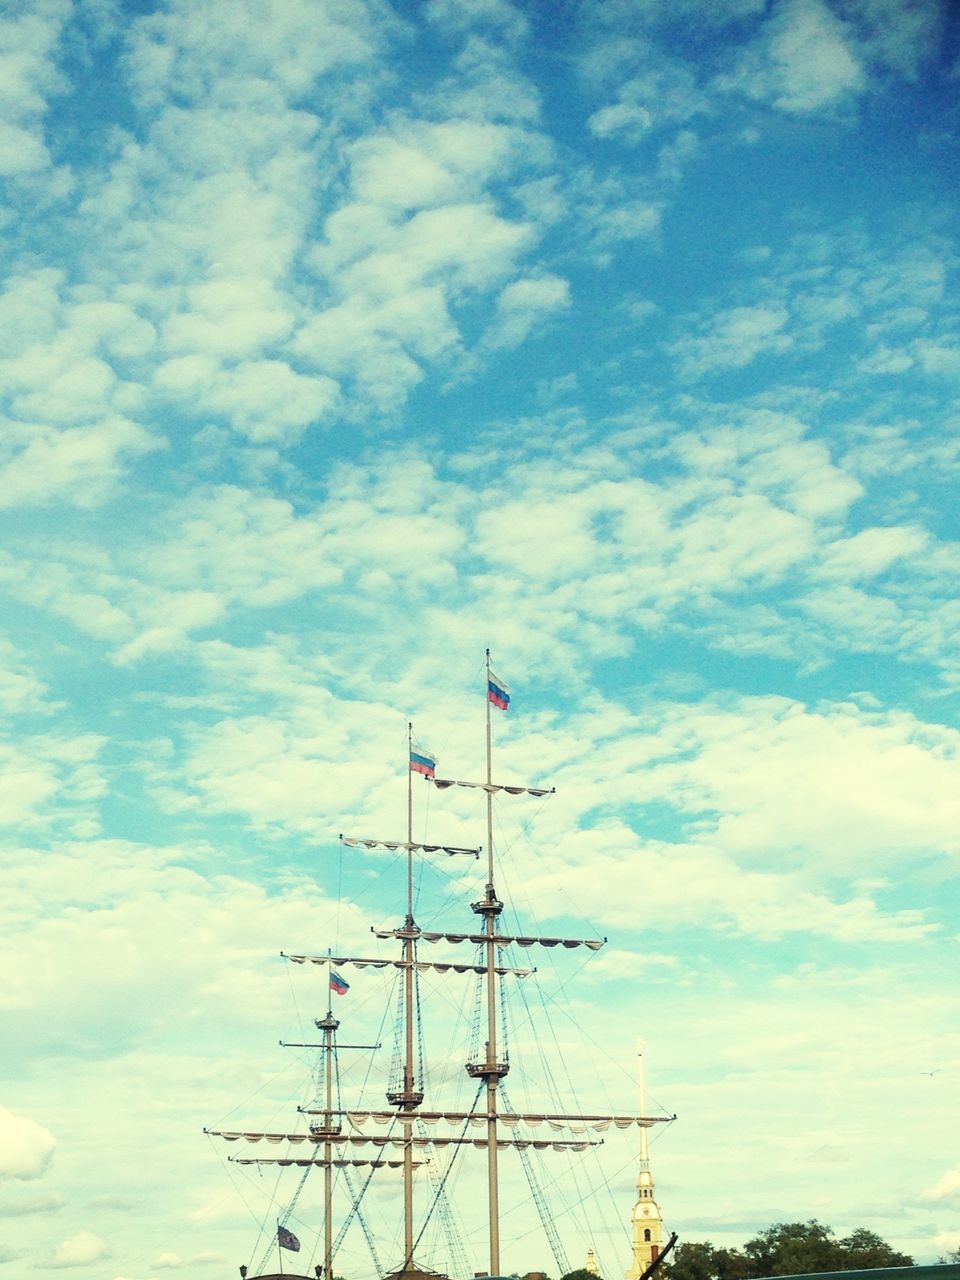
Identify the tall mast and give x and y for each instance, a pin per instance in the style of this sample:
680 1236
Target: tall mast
410 1097
328 1026
490 909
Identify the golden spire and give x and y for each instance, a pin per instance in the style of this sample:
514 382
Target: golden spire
648 1233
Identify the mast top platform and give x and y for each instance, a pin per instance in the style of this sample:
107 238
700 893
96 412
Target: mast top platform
405 1098
488 906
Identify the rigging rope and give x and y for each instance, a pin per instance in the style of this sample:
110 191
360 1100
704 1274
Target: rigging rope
368 1236
355 1211
549 1226
576 1208
396 1060
284 1218
419 1067
504 1034
476 1015
461 1264
449 1168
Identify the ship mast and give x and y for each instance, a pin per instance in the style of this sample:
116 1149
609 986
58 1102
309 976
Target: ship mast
491 1071
410 1096
328 1134
328 1026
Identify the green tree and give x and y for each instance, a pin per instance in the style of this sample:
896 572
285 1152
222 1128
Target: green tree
580 1274
696 1260
862 1249
792 1248
786 1248
700 1260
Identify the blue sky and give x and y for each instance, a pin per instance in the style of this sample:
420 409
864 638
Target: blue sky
342 340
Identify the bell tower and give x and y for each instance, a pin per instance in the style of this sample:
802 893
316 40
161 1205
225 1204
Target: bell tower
648 1235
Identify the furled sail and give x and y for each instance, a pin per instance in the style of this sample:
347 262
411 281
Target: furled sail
535 1144
492 787
501 939
307 1163
575 1123
360 842
362 962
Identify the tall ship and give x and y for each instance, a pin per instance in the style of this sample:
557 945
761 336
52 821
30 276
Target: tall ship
412 1137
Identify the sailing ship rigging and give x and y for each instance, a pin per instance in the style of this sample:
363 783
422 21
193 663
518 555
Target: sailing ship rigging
338 1140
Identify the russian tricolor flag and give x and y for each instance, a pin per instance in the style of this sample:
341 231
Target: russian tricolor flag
423 762
338 984
497 692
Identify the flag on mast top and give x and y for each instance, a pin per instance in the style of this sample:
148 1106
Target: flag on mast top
497 692
423 762
338 984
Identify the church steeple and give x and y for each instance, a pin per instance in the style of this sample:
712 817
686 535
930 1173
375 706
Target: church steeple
648 1234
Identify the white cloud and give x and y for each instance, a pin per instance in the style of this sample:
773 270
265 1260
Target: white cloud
21 691
51 779
20 151
419 241
939 357
26 1148
207 210
244 547
96 964
229 318
523 303
423 164
398 281
847 788
67 351
886 360
488 84
216 246
628 118
78 465
804 60
185 53
625 544
37 1202
719 895
29 76
872 551
898 36
661 91
270 773
64 370
170 1261
509 19
946 1188
734 338
80 1250
265 400
468 243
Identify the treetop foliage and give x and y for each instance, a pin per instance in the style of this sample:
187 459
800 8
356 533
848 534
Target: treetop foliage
787 1248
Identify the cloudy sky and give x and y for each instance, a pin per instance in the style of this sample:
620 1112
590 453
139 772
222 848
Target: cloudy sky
343 339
